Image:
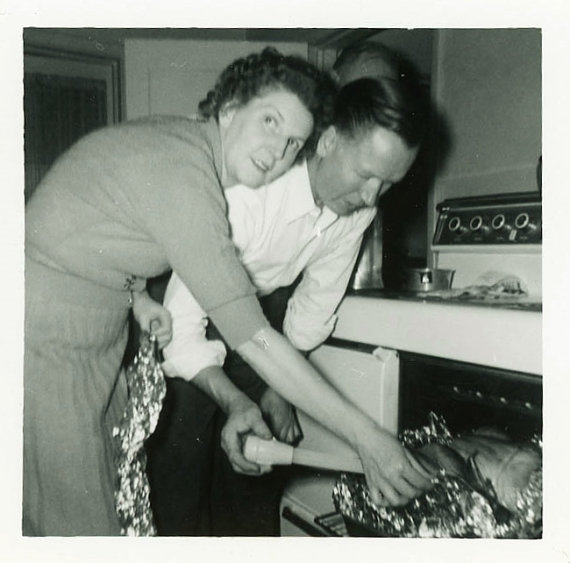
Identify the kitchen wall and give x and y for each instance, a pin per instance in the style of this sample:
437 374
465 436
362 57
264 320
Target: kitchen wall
487 83
488 86
172 76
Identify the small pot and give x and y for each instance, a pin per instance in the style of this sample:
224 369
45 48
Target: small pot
426 279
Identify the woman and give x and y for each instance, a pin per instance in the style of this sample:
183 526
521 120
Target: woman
128 203
124 204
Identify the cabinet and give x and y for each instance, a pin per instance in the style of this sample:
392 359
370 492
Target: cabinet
367 375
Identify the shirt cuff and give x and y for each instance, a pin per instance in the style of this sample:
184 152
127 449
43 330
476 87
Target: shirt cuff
188 365
305 336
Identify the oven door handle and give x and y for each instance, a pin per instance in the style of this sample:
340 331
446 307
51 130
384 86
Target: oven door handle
301 523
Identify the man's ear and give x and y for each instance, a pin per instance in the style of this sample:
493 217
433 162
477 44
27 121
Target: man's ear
327 141
226 115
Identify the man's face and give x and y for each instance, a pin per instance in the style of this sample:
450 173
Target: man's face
353 173
261 139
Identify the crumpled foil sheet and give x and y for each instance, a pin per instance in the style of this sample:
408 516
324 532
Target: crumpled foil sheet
147 388
453 508
491 285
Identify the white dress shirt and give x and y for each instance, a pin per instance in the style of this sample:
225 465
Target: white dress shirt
279 232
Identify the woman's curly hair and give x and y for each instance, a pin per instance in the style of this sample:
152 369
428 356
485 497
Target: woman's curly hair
251 76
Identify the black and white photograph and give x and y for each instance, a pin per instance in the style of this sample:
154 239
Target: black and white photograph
280 289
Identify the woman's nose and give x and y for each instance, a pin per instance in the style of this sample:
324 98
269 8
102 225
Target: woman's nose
280 147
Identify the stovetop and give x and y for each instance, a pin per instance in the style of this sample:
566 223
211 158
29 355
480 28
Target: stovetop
457 297
508 336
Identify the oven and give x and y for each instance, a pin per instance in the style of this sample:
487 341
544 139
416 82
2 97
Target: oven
469 396
471 354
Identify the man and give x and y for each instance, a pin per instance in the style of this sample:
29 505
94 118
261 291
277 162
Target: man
309 222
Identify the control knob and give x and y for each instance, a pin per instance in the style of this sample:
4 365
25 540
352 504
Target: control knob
455 225
499 223
523 222
477 225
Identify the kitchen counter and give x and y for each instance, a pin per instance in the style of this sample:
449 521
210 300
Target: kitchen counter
500 337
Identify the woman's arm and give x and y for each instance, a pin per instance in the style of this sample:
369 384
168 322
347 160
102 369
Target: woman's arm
391 471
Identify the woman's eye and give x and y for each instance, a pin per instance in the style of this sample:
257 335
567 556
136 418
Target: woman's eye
270 121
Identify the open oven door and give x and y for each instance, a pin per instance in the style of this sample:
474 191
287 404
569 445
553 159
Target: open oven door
368 376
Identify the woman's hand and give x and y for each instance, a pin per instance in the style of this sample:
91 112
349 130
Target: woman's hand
152 317
244 417
281 416
393 474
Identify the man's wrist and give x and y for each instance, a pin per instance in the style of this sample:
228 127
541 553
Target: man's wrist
215 383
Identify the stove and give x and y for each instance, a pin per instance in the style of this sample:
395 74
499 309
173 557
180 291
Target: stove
492 315
492 239
472 353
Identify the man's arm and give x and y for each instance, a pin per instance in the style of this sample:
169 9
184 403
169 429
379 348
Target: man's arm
189 350
198 360
310 317
244 417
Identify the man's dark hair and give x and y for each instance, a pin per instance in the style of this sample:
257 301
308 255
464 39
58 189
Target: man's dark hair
251 76
401 106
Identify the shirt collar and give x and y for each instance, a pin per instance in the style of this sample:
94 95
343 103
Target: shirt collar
301 201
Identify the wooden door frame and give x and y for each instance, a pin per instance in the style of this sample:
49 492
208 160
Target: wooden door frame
50 61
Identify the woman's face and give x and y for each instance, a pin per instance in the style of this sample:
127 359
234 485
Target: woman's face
261 139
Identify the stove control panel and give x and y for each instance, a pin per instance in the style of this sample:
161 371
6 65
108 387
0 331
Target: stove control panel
500 220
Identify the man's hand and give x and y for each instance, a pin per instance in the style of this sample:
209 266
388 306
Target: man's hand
244 417
281 416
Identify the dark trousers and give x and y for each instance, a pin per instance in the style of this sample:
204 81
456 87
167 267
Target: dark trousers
194 490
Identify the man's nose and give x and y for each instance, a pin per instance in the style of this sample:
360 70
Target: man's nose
370 192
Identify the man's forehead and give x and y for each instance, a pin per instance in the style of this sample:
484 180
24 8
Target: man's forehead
361 137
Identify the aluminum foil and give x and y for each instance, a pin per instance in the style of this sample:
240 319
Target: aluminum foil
453 508
146 385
